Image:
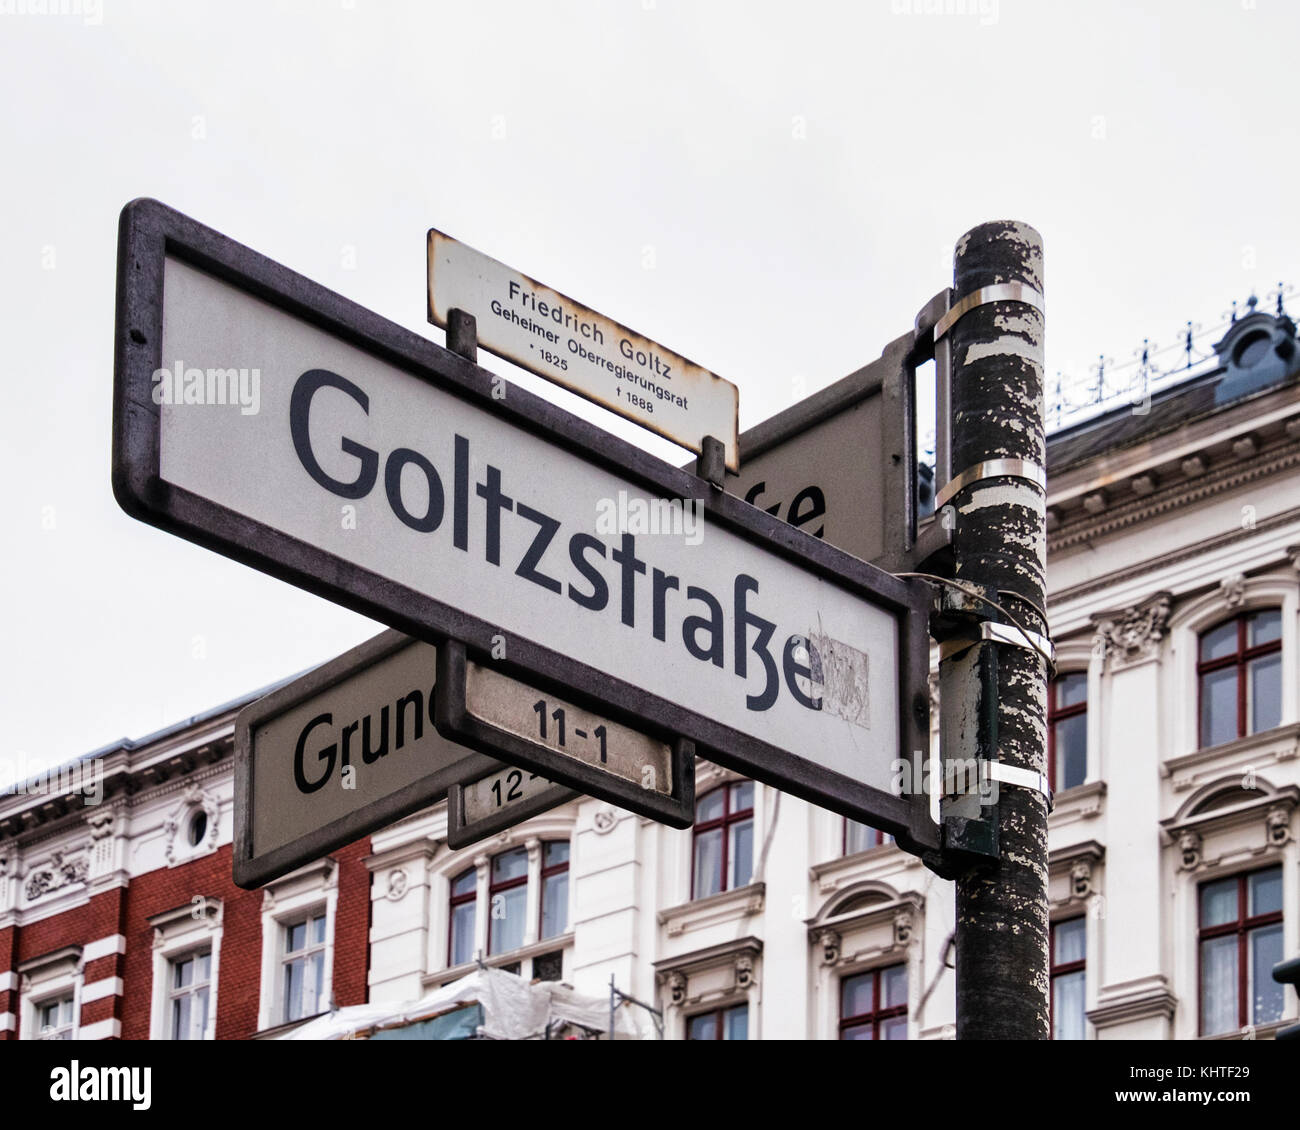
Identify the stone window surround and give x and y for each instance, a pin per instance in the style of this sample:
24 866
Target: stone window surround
48 977
442 871
302 893
705 980
189 929
1188 835
1234 595
888 932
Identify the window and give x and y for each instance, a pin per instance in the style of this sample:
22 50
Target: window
304 967
873 1005
514 918
1240 941
508 898
1068 964
723 838
188 991
464 895
721 1024
54 1019
860 837
1067 730
1239 676
555 888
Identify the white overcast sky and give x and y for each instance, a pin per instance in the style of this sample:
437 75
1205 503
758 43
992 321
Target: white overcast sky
772 190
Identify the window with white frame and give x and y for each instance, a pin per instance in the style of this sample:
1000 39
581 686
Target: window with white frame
186 960
50 988
189 991
56 1018
302 976
299 915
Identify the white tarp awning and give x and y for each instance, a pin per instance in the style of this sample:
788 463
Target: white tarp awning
513 1009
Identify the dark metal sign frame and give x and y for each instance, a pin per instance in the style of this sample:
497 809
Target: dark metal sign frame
908 542
454 721
461 833
252 870
150 232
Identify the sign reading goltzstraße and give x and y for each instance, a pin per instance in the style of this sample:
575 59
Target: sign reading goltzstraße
390 475
557 338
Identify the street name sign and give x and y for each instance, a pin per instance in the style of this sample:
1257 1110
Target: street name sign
557 338
841 464
339 753
483 807
399 479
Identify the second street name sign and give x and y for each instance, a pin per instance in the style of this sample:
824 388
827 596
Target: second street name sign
389 475
557 338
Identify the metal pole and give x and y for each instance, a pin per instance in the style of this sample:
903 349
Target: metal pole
1000 545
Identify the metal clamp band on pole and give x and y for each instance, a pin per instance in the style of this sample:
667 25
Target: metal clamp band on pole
999 292
1019 637
1005 774
991 469
1001 633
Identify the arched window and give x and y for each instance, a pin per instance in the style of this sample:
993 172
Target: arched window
1067 730
509 874
722 855
1239 676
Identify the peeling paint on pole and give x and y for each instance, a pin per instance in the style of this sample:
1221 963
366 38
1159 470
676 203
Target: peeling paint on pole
1000 544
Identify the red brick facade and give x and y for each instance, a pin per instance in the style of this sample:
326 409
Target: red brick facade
125 911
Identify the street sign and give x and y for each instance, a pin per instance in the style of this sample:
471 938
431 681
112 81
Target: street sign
559 339
339 753
392 476
527 725
483 807
841 464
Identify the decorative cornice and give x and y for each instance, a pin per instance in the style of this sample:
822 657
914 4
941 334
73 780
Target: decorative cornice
1177 557
901 915
1270 808
1171 497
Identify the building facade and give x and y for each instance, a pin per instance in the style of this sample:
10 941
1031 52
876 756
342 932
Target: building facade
1173 732
119 917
